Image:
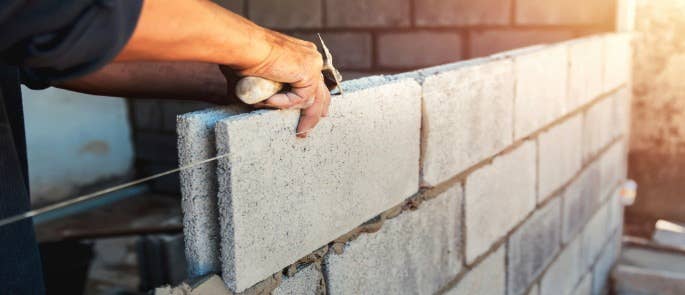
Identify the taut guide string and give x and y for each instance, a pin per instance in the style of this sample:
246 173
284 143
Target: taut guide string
93 195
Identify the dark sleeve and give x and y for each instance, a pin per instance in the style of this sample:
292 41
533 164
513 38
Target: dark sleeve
56 40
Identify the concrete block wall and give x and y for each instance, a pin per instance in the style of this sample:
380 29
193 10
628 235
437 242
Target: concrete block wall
421 182
369 37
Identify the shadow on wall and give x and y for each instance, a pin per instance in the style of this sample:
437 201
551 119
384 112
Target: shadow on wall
74 140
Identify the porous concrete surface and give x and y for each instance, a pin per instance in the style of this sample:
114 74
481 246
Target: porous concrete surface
281 197
363 13
486 278
585 285
617 60
565 272
560 155
579 201
598 128
535 290
307 281
541 88
533 246
506 186
461 12
607 259
467 117
585 70
594 235
418 252
613 168
199 188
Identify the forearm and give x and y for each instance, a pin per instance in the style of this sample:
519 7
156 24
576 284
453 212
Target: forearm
216 35
163 80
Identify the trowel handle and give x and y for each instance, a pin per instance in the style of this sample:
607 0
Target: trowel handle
252 90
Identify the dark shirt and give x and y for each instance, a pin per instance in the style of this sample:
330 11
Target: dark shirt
43 42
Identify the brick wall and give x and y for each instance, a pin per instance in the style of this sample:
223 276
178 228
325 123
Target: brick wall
491 176
387 36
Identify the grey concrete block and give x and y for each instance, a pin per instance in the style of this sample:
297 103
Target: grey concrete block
585 286
585 70
411 50
613 168
307 281
565 272
367 13
281 197
507 186
467 117
462 12
417 252
607 259
598 129
199 188
617 60
622 111
560 155
580 200
486 278
293 14
594 235
541 88
533 246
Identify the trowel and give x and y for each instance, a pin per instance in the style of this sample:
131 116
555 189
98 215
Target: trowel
252 90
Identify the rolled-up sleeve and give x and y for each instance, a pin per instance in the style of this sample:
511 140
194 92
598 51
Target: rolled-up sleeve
56 40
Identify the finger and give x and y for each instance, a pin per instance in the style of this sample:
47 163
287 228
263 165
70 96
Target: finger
326 95
282 101
309 117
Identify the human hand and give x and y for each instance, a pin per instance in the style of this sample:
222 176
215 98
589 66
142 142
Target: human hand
297 63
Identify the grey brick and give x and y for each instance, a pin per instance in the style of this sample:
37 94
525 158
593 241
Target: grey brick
487 42
565 272
292 14
615 211
564 12
486 278
613 168
147 114
622 111
580 201
415 253
307 281
560 155
199 188
281 197
350 50
585 70
367 13
236 6
462 12
540 88
507 186
417 49
533 246
467 117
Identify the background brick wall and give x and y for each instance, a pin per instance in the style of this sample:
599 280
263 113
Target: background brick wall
380 37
